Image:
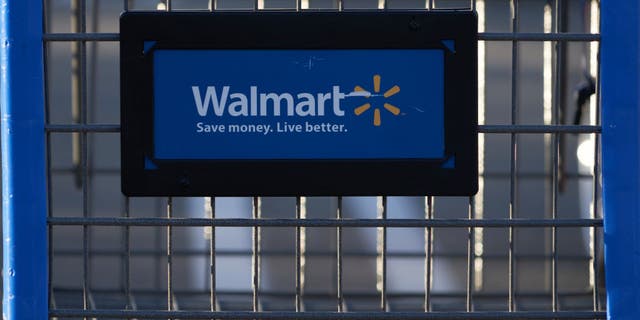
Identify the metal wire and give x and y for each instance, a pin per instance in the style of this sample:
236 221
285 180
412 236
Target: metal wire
483 36
351 254
428 258
127 256
255 269
47 16
513 205
299 271
324 223
339 254
213 302
470 256
596 178
169 255
80 152
558 102
381 268
186 294
66 313
130 303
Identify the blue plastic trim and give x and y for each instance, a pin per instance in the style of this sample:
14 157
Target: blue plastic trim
23 160
620 76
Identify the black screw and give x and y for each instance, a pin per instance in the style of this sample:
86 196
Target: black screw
184 182
414 25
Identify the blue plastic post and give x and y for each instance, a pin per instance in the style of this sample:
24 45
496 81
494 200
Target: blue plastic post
620 76
23 160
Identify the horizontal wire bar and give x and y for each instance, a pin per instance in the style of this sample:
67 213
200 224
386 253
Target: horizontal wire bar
329 295
508 36
485 36
82 128
66 313
81 37
539 129
482 128
353 223
486 174
328 254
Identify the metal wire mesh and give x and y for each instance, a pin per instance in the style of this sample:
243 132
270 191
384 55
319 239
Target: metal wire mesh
515 248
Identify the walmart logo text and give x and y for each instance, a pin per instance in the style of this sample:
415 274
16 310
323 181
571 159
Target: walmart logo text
237 104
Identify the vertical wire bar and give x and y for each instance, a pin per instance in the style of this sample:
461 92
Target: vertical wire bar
428 240
340 296
382 233
470 256
382 254
256 256
558 99
562 25
554 214
547 57
431 4
303 251
95 18
127 256
212 240
169 256
127 234
478 264
514 152
339 256
300 252
212 257
46 18
80 86
595 16
170 302
89 102
596 194
76 91
298 275
256 236
157 253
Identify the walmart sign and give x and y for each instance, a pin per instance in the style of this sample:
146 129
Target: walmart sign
298 103
302 104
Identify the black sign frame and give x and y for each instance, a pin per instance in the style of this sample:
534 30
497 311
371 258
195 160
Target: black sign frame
299 30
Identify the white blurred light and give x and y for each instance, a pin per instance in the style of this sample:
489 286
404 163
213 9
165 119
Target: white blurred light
547 55
586 153
161 6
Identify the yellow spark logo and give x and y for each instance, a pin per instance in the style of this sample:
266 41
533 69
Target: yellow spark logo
377 121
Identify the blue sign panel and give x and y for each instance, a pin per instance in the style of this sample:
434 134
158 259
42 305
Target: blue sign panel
298 104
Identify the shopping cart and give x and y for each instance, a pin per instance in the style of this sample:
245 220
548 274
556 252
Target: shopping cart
527 246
